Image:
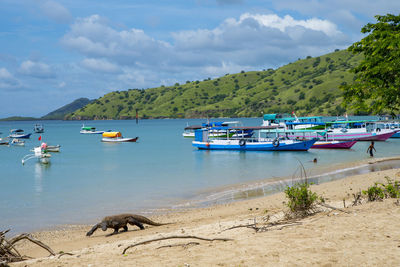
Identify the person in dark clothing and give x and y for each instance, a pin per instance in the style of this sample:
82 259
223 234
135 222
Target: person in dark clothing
370 148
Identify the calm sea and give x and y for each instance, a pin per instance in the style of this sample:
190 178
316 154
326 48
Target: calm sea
89 179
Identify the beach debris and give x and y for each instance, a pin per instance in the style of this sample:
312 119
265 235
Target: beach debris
266 227
176 237
8 252
332 207
184 245
357 198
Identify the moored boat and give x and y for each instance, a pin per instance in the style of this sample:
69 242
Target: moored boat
116 137
203 142
17 142
334 144
40 154
89 130
38 128
19 133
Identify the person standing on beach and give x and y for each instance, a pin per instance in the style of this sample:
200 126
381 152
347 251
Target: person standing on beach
370 148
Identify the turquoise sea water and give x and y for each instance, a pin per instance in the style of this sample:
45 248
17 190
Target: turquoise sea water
89 179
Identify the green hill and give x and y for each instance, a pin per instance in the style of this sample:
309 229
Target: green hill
309 86
60 113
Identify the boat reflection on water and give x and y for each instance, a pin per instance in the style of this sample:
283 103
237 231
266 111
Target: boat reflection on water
39 173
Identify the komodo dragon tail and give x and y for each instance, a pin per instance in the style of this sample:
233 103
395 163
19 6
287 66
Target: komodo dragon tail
145 220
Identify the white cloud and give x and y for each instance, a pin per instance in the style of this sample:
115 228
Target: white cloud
55 11
252 41
93 37
36 69
100 65
7 80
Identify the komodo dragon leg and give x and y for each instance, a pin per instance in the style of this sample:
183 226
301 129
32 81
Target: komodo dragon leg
133 221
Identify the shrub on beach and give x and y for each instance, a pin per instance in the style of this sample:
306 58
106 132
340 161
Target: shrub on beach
302 201
379 191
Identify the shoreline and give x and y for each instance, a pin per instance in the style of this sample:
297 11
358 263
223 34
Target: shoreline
341 234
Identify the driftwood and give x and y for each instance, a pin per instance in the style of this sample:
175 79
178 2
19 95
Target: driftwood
267 227
332 207
175 237
8 252
185 245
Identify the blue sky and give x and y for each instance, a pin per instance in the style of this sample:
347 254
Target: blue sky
53 52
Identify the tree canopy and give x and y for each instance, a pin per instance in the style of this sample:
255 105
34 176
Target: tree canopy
376 87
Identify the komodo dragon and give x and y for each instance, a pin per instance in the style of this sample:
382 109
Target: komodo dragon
122 221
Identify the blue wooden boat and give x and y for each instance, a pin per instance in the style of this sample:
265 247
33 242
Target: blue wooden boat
19 133
203 142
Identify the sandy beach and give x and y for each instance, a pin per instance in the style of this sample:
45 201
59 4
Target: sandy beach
366 235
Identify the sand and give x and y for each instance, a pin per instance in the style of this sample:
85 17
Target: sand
364 235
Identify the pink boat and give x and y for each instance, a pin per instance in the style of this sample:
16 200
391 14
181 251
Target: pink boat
334 144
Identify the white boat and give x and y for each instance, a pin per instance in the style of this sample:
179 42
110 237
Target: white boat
53 148
17 142
90 130
39 154
38 128
116 137
189 131
49 148
360 130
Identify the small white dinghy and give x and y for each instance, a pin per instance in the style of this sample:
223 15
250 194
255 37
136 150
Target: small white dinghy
17 142
40 154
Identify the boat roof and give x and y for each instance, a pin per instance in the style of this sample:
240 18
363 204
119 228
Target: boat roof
341 122
193 127
16 130
305 123
247 128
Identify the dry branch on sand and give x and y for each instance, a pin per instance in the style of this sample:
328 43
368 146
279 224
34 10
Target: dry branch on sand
8 252
175 237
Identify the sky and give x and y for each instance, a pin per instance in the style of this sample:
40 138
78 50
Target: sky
53 52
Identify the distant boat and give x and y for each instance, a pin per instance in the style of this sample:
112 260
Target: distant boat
17 142
116 137
38 128
89 130
19 133
215 133
4 141
39 154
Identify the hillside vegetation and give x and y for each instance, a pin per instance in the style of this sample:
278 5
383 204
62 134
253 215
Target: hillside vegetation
309 86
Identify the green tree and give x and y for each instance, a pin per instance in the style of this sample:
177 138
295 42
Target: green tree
376 87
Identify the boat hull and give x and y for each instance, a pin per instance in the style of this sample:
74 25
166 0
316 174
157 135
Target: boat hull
352 136
118 139
284 145
19 136
91 132
333 144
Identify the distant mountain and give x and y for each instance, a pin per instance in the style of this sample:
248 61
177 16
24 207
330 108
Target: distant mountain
307 86
60 113
18 118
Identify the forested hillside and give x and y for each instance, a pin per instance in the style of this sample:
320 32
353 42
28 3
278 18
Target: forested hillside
308 86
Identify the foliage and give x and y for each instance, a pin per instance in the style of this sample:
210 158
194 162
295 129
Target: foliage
244 94
380 191
302 200
377 84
